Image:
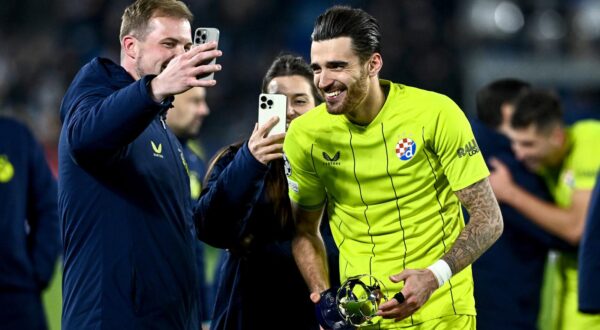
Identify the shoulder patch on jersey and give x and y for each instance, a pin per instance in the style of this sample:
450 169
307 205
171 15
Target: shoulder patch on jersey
293 185
569 179
406 149
286 166
469 149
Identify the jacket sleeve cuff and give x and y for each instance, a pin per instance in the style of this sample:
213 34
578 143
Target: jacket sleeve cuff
251 161
145 91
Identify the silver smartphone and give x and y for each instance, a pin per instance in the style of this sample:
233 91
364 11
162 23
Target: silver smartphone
202 36
272 105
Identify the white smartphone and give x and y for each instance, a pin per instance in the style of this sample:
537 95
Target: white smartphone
202 36
272 105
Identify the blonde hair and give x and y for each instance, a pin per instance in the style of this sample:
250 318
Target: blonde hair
136 17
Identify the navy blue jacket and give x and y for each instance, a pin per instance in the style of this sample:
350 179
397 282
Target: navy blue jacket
129 260
30 238
197 170
508 277
260 286
589 257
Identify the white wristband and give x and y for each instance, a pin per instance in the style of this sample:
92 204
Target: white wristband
441 271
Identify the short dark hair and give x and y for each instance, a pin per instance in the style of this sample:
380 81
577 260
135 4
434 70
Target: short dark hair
290 65
343 21
491 98
541 108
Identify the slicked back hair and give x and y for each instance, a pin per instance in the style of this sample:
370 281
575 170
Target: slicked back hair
540 108
289 65
491 98
342 21
137 15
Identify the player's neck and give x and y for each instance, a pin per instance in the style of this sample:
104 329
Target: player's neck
371 105
562 151
129 66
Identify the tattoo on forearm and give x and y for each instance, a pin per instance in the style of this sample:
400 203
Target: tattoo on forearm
484 228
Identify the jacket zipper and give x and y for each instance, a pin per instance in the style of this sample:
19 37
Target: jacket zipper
178 154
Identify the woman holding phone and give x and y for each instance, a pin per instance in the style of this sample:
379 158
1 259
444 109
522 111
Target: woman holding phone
245 209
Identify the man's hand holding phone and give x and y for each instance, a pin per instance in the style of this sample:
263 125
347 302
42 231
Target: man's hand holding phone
182 71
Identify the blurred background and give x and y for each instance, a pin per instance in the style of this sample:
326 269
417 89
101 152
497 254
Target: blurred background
451 47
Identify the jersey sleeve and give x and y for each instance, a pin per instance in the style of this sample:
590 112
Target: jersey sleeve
304 186
586 161
456 147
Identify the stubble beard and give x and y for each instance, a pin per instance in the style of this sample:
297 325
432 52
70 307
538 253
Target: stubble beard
138 67
140 71
355 94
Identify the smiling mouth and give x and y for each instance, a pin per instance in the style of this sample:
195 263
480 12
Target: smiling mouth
334 95
532 164
164 65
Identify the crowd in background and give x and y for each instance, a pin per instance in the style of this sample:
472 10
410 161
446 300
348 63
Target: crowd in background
427 43
48 42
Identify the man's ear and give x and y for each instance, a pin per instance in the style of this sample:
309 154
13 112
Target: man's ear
506 110
375 64
129 46
558 135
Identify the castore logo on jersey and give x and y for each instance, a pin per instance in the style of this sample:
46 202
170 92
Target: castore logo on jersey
332 161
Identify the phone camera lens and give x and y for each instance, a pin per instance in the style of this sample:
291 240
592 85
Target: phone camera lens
270 102
263 98
263 105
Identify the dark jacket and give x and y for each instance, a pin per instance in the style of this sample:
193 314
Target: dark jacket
508 276
196 171
30 239
129 260
589 257
260 286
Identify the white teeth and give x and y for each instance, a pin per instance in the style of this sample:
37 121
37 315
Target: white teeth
333 94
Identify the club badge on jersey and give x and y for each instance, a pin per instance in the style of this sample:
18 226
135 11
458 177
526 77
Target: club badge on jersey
406 149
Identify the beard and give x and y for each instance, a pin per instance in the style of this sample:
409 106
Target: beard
138 67
355 94
533 166
141 72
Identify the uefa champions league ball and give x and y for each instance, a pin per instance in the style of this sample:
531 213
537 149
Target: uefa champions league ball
358 299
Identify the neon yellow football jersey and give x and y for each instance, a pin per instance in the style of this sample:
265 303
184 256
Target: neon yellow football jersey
577 172
580 166
390 188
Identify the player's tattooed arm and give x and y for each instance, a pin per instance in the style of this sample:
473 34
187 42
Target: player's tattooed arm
484 228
